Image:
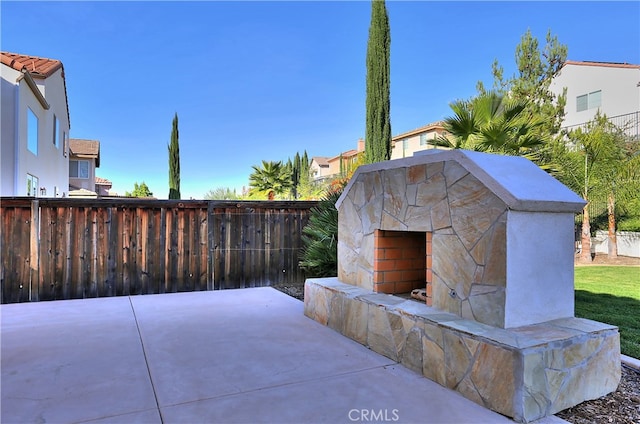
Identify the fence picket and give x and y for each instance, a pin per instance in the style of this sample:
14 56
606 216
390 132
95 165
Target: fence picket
79 248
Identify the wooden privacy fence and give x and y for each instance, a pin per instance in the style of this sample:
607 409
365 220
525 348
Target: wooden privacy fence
81 248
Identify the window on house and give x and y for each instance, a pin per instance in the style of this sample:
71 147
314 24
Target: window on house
32 185
589 101
65 143
405 147
423 140
32 132
55 131
595 99
78 169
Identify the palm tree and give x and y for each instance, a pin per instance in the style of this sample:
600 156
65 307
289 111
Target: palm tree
610 171
492 122
274 178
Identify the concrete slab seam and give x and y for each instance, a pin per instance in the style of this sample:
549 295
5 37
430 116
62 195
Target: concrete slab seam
279 385
146 361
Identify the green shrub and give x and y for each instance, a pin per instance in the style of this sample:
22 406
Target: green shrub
320 237
629 224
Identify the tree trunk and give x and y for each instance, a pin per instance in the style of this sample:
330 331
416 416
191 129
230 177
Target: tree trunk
585 253
613 244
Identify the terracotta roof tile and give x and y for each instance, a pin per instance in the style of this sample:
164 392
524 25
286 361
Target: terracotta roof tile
103 181
38 67
603 64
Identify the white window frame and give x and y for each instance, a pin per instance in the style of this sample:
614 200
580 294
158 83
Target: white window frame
33 184
589 101
424 140
78 169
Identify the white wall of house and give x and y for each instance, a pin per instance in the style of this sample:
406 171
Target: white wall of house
618 87
8 125
49 165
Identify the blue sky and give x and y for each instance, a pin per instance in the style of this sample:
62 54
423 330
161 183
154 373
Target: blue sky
255 81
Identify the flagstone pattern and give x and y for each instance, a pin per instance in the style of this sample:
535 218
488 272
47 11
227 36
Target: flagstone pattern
498 324
525 373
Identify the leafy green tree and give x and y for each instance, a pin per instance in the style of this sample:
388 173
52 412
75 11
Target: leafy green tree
273 178
139 190
222 193
536 69
491 122
378 103
295 175
174 161
299 170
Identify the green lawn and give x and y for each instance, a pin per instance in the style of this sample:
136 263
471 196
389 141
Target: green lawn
611 294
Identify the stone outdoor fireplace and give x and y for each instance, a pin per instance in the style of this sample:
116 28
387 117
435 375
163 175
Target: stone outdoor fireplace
490 239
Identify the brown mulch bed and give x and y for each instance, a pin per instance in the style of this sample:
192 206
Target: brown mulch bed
604 260
619 407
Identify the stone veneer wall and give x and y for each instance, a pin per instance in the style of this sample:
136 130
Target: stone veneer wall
525 373
466 219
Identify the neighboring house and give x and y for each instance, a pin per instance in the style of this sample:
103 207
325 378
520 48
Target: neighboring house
103 187
319 167
84 158
35 127
324 167
406 144
611 88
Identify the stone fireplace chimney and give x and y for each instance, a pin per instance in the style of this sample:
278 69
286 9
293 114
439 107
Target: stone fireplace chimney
499 233
490 238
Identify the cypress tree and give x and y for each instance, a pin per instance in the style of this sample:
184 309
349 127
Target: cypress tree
295 175
378 106
174 162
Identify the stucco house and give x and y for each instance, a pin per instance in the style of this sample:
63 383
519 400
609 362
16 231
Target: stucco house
611 88
84 158
322 167
35 127
406 144
103 186
319 167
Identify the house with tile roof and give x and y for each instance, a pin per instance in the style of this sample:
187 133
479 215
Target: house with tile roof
611 88
319 167
406 144
103 186
84 158
35 127
322 167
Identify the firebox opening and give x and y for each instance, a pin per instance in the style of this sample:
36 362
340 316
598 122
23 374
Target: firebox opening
402 262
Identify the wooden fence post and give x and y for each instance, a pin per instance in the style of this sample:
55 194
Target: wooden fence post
34 252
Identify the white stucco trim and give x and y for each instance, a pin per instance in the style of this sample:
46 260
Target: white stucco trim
542 289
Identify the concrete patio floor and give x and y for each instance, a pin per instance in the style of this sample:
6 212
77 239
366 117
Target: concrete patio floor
233 356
